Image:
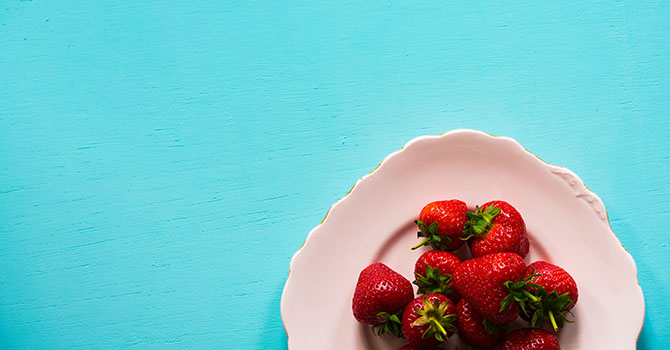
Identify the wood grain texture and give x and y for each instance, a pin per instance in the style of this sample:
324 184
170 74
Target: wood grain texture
160 162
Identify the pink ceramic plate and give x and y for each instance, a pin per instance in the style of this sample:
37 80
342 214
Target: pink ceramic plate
566 222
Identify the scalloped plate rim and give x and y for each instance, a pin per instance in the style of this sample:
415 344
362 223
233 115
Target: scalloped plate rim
554 168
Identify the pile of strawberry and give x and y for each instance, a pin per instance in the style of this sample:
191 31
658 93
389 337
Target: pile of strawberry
477 298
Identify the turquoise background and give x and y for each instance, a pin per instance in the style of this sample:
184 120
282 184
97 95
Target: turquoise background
161 161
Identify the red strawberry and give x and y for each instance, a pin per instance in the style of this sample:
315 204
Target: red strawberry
442 223
475 330
493 285
530 339
558 293
428 320
379 298
433 271
497 227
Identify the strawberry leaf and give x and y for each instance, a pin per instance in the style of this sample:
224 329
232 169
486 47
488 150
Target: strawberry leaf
433 282
479 222
519 294
433 316
392 324
552 307
431 237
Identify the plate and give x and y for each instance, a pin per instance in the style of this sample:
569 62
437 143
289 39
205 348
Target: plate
567 225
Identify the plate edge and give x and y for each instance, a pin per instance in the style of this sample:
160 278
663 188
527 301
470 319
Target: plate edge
553 167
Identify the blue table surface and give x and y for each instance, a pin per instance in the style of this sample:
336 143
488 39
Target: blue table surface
161 161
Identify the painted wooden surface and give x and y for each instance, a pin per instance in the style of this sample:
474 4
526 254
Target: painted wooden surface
161 161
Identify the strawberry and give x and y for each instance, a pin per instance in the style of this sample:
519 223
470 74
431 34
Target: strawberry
428 320
442 224
433 271
530 339
379 298
493 284
557 291
475 330
496 227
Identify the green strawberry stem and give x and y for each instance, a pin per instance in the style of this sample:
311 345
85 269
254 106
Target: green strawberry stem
519 294
432 238
479 222
433 282
530 296
391 324
424 242
439 326
550 306
553 321
433 315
